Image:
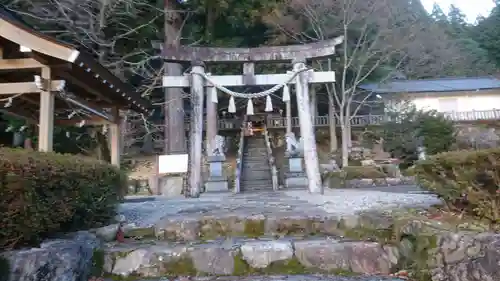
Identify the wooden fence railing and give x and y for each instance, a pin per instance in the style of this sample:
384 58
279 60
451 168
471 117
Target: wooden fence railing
357 121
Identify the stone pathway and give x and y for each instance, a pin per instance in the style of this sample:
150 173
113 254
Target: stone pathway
147 210
279 278
260 233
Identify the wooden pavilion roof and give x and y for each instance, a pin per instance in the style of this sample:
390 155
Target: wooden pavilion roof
74 74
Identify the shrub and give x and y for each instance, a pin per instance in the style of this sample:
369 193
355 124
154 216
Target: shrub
338 179
357 172
363 172
42 194
468 181
410 126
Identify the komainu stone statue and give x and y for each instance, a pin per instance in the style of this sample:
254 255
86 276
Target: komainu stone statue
294 147
217 146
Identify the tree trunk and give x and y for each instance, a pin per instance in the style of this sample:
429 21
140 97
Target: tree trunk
332 124
345 143
175 134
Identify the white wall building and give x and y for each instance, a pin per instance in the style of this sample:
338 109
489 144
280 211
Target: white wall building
462 99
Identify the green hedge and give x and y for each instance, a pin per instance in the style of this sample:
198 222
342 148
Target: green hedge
42 194
339 179
468 181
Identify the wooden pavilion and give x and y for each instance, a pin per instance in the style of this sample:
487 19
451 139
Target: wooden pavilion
46 82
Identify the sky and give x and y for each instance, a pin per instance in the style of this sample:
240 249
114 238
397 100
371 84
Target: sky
471 8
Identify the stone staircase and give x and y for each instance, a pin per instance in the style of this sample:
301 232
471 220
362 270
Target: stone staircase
258 236
256 173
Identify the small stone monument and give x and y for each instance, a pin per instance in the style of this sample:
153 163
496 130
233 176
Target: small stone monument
421 149
295 177
168 180
217 181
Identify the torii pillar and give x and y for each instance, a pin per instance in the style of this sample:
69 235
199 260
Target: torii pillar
307 127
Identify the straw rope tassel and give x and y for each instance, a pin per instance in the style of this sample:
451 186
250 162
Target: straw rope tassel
286 93
250 107
269 104
232 105
214 95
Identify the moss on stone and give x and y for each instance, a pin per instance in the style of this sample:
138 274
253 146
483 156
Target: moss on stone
181 266
241 267
148 232
4 269
383 236
97 268
175 267
211 229
132 277
296 227
292 266
285 267
254 228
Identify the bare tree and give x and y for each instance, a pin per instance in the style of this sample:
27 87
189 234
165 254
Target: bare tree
381 37
118 33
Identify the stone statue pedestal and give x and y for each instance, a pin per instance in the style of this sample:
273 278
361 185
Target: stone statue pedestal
295 177
169 186
217 181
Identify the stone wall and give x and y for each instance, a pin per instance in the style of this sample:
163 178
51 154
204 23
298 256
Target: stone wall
68 259
477 136
368 243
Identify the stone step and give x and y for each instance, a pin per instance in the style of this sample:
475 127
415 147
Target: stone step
262 145
252 175
255 165
259 184
255 157
194 224
255 189
262 153
240 257
256 149
301 277
256 141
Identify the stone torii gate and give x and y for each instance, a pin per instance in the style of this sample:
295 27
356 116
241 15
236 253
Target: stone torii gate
300 76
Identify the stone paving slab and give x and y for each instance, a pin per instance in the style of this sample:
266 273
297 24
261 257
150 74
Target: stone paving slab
280 278
146 212
247 257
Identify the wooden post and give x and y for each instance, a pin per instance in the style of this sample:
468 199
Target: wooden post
314 103
211 120
175 137
288 116
196 130
332 124
115 138
46 130
306 129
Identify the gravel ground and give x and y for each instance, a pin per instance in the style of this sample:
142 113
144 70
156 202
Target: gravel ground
280 278
147 210
351 201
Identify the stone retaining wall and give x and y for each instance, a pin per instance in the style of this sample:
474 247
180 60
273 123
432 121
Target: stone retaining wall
55 260
368 243
366 183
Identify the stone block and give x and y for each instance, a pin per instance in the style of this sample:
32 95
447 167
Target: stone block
295 164
170 186
216 158
216 184
296 182
359 256
216 169
260 254
55 260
